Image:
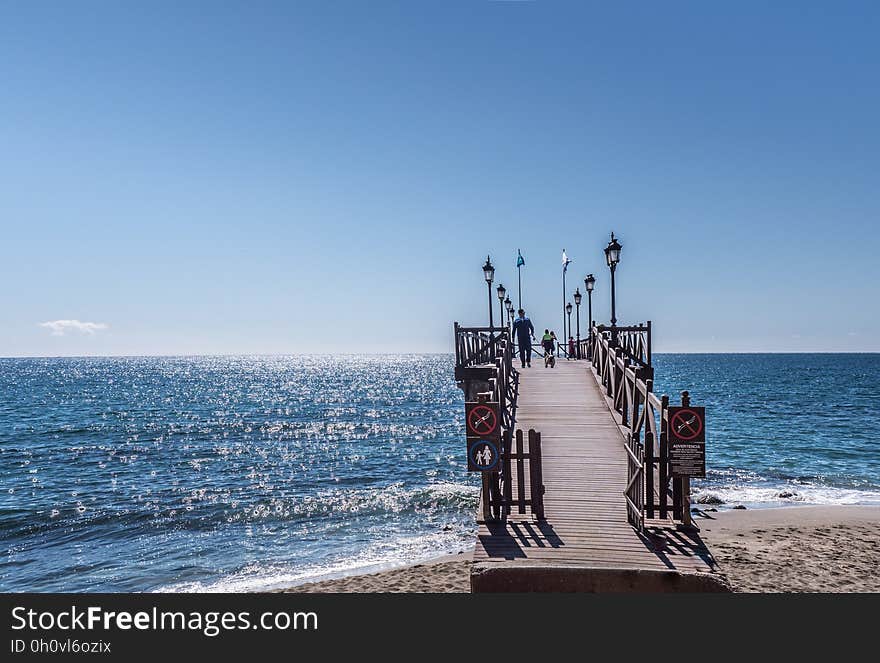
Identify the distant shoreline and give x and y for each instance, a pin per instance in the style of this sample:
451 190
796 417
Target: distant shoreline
794 548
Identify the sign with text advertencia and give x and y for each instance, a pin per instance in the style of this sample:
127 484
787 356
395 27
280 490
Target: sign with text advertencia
483 455
483 420
687 441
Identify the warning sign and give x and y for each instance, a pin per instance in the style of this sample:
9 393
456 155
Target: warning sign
687 441
483 456
686 423
482 420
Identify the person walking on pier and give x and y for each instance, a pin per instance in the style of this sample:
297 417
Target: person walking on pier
548 342
524 332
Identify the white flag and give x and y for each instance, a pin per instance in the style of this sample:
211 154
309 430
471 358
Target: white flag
565 261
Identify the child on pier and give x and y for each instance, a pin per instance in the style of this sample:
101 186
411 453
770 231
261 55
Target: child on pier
548 341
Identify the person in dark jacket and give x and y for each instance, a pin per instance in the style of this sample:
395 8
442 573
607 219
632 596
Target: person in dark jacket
524 332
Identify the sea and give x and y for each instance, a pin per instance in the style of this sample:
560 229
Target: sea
251 473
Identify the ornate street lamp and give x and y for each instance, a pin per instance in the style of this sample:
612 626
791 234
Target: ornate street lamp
612 257
489 274
568 334
502 291
577 303
589 284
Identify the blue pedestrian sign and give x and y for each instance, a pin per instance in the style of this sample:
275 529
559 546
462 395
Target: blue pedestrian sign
483 455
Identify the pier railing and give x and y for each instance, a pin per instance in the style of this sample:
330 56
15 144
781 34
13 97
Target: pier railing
538 350
476 345
585 347
489 349
622 359
484 369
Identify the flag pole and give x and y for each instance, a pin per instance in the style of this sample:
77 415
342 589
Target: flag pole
519 288
565 331
564 269
519 263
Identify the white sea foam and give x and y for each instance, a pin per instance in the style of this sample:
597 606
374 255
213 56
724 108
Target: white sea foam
768 496
380 556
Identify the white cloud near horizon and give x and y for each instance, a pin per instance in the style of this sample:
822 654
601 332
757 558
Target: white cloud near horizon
61 327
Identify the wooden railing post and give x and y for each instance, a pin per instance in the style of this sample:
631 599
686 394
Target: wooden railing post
508 485
520 470
536 475
664 456
649 449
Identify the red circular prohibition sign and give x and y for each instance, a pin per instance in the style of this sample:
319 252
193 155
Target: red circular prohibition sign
686 425
482 420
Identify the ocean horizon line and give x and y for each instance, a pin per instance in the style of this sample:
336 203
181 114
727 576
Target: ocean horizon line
412 353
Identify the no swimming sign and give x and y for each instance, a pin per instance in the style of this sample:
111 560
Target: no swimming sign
687 441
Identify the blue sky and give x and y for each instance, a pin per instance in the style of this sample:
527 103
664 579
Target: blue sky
323 177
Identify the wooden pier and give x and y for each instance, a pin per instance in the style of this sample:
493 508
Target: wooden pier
610 516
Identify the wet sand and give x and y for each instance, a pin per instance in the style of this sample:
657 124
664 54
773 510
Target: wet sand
794 549
449 574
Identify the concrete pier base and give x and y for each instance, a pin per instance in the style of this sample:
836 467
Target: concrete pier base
521 577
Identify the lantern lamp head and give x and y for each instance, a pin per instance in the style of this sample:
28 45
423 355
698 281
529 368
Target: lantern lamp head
612 252
488 271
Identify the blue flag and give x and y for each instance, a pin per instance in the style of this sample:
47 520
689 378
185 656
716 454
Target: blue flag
520 261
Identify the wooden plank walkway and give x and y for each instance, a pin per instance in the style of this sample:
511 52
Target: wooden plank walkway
586 543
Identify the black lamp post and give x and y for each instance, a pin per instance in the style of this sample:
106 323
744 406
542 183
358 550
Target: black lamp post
489 274
589 284
509 306
502 291
612 257
577 303
568 335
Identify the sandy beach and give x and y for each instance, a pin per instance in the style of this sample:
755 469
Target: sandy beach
797 549
794 549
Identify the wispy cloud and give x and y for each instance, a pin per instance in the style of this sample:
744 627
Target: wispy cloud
61 327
